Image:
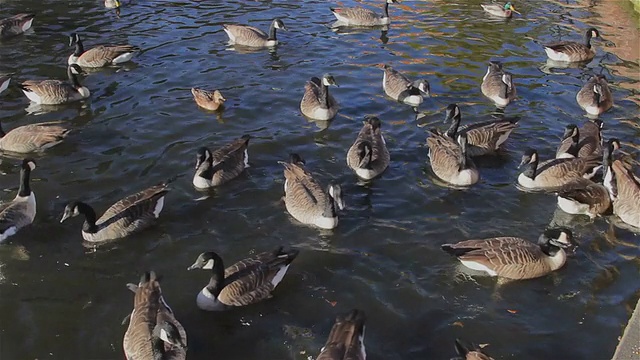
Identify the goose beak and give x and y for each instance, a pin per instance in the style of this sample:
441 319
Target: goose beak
65 216
524 161
193 267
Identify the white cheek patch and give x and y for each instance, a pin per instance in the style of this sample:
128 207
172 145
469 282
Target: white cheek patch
208 265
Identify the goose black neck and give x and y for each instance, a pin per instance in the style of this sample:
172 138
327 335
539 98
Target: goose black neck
158 347
25 188
587 39
73 78
2 133
272 31
385 10
207 170
531 169
597 97
506 90
216 282
365 153
324 95
89 217
79 50
453 129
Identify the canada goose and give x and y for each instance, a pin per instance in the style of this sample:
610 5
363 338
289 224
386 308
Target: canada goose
19 212
569 51
369 156
574 144
399 88
210 100
99 56
223 165
54 92
317 103
590 138
246 282
15 25
305 199
595 96
505 11
469 352
246 35
130 215
153 331
5 79
34 137
569 145
485 137
358 16
497 85
346 339
625 195
449 160
112 4
554 173
512 257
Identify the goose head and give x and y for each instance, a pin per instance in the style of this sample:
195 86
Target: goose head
423 86
71 210
278 24
73 39
203 157
328 80
206 261
530 156
29 164
296 159
452 112
554 239
373 121
169 333
335 192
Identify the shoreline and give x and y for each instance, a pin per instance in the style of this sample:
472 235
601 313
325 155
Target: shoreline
629 345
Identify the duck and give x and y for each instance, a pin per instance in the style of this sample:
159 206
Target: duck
245 35
223 165
126 217
112 4
554 173
5 79
569 51
16 25
346 339
305 199
450 161
359 16
368 157
625 194
469 351
246 282
55 92
399 88
485 137
515 258
595 97
497 85
317 103
505 11
21 211
153 331
99 56
210 100
33 138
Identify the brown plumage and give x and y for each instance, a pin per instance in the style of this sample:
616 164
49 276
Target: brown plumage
369 156
554 173
55 92
449 160
346 339
246 35
595 96
317 103
497 85
583 196
399 88
568 51
626 203
470 351
210 100
15 25
223 165
34 137
590 138
99 56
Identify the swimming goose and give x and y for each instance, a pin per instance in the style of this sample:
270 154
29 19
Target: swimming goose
595 96
20 212
5 79
223 165
15 25
369 156
569 145
358 16
246 282
485 137
450 161
554 173
305 199
54 92
99 56
112 4
625 194
399 88
153 332
512 257
34 137
317 103
569 51
505 11
130 215
210 100
246 35
346 339
591 138
470 352
497 85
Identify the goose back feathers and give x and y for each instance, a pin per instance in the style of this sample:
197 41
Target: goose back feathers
497 85
99 56
20 212
359 16
369 156
346 339
34 137
55 92
15 25
595 96
449 159
626 194
554 173
317 103
399 88
569 51
223 165
246 35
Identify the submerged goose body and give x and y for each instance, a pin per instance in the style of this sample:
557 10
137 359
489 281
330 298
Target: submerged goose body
399 88
210 100
34 137
470 352
449 159
223 165
359 16
497 85
595 97
555 173
20 212
569 51
246 35
5 79
99 56
317 103
369 156
246 282
55 92
505 11
15 25
625 195
346 339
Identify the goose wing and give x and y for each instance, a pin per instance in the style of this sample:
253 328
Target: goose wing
231 153
585 192
626 204
395 82
345 341
357 14
312 90
33 137
558 172
444 153
15 25
134 207
245 34
102 55
301 188
14 214
137 342
488 134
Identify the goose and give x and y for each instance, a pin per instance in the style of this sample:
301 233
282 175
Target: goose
54 92
590 138
153 331
317 103
19 212
568 148
505 11
554 173
484 138
595 96
568 51
305 199
399 88
497 85
130 215
246 282
210 100
32 138
369 156
358 16
15 25
99 56
469 352
449 160
346 339
112 4
5 79
246 35
223 165
625 194
515 258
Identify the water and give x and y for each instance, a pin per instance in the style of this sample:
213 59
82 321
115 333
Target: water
141 126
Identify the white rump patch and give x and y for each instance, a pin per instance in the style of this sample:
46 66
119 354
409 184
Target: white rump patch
27 25
158 208
33 96
326 223
122 58
478 267
502 139
557 56
84 92
232 37
4 85
9 232
279 275
246 158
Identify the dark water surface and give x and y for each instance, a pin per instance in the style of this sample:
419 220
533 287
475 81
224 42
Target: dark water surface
141 126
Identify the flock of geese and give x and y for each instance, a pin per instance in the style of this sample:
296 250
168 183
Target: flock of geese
155 333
